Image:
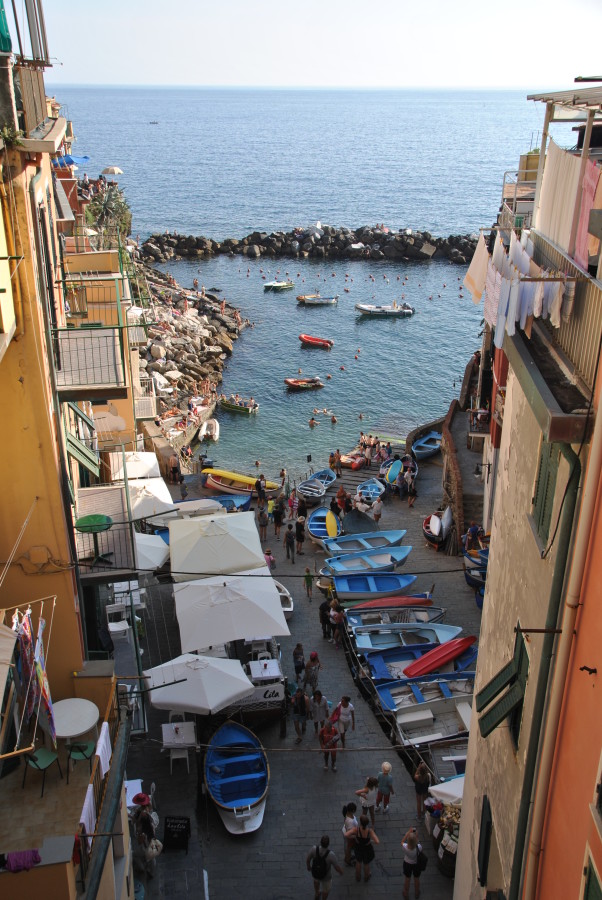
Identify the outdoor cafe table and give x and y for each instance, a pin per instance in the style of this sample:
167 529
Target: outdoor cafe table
74 717
264 670
178 734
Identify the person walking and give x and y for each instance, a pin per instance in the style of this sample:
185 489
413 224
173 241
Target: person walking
320 862
300 707
319 710
262 521
365 837
329 738
385 787
293 503
412 494
269 559
346 717
422 782
312 671
367 796
337 464
349 831
411 849
298 660
377 509
324 613
278 515
300 534
337 618
308 579
289 543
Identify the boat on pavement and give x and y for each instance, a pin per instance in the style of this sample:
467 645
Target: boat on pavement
209 431
325 476
237 776
244 406
476 558
391 310
370 489
434 720
394 601
303 384
412 692
353 460
379 560
233 483
370 540
311 490
445 653
401 663
322 524
393 615
436 527
402 634
475 576
278 285
427 446
286 600
308 340
365 587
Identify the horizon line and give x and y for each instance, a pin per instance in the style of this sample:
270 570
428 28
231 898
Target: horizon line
268 87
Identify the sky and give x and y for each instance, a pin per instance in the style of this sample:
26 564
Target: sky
542 44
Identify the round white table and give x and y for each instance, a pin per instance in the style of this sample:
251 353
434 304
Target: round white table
74 717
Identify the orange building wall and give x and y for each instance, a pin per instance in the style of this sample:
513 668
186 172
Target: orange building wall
569 823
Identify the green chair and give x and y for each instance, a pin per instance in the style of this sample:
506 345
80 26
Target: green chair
80 751
41 760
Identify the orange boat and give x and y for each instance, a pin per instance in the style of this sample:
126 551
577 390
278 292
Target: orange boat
309 341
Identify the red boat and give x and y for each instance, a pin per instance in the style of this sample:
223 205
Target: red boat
303 384
308 341
392 602
438 656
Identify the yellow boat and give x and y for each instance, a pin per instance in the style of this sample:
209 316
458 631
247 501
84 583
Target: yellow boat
233 483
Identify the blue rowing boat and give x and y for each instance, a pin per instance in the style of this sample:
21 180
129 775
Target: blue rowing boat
370 540
402 634
389 664
379 560
370 489
367 587
427 446
237 775
411 692
393 615
317 527
475 576
325 477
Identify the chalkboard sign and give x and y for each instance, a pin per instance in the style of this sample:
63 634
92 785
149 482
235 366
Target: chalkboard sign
176 833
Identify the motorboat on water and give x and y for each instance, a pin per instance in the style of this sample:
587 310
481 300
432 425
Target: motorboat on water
209 431
278 285
309 340
303 384
316 300
246 407
392 310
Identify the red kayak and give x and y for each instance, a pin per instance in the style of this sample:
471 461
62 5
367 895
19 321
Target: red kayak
438 656
309 341
392 602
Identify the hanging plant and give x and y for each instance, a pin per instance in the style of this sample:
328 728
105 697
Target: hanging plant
11 136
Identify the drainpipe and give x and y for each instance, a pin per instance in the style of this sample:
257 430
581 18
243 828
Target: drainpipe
541 690
563 651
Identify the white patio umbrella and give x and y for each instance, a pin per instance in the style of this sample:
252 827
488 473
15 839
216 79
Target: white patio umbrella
450 791
149 497
210 684
151 551
216 610
137 465
188 508
214 545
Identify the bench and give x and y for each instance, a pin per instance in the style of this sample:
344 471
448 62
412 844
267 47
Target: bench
414 717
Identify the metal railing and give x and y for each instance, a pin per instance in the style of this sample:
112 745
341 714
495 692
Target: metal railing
145 400
578 335
89 358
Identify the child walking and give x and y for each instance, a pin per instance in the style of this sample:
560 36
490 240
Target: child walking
308 578
367 797
385 787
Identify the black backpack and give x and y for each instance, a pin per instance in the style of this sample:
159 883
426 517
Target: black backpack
319 867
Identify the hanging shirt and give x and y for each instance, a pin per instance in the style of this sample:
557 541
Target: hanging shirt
474 280
513 307
500 323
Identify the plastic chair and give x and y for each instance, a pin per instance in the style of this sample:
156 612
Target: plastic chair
175 716
116 620
178 753
80 751
41 760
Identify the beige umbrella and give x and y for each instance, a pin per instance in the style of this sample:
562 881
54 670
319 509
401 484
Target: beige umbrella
112 170
197 684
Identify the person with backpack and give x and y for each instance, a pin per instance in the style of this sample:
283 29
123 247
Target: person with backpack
320 862
289 543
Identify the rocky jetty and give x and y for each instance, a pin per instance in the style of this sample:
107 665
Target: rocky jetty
317 242
189 337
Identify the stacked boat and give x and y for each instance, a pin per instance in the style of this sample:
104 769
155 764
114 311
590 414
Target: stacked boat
313 489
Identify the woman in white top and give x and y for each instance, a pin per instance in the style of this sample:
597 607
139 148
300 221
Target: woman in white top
349 824
346 717
411 849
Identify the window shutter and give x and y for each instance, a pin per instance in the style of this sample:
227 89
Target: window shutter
484 840
592 891
501 710
497 684
545 489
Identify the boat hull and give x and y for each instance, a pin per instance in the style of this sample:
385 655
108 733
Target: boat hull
442 654
353 543
312 491
362 587
236 408
307 340
403 634
399 312
379 560
317 526
301 384
426 446
237 777
234 483
394 615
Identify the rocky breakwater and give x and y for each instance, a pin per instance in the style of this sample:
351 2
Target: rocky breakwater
317 242
189 339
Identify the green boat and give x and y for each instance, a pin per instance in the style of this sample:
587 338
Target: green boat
279 285
244 406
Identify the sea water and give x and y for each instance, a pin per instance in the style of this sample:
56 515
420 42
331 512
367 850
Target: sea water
226 162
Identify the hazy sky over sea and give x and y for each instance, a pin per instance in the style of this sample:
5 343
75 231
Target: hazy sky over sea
325 43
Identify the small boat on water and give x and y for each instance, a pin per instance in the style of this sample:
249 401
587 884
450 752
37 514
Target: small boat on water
439 656
237 776
370 489
325 476
379 560
436 527
308 340
366 587
394 615
322 523
316 300
209 431
371 540
303 384
234 483
427 446
402 634
401 663
246 407
311 490
286 600
278 285
392 310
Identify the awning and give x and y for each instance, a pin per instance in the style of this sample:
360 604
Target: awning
68 160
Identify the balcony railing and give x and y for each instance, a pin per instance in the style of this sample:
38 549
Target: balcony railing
145 400
579 335
89 362
94 298
518 194
105 553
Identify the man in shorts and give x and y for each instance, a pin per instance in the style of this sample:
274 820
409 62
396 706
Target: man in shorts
322 851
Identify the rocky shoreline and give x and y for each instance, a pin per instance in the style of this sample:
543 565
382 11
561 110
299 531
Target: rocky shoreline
317 242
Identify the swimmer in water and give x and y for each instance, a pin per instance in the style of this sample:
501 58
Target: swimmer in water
313 422
361 416
333 420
